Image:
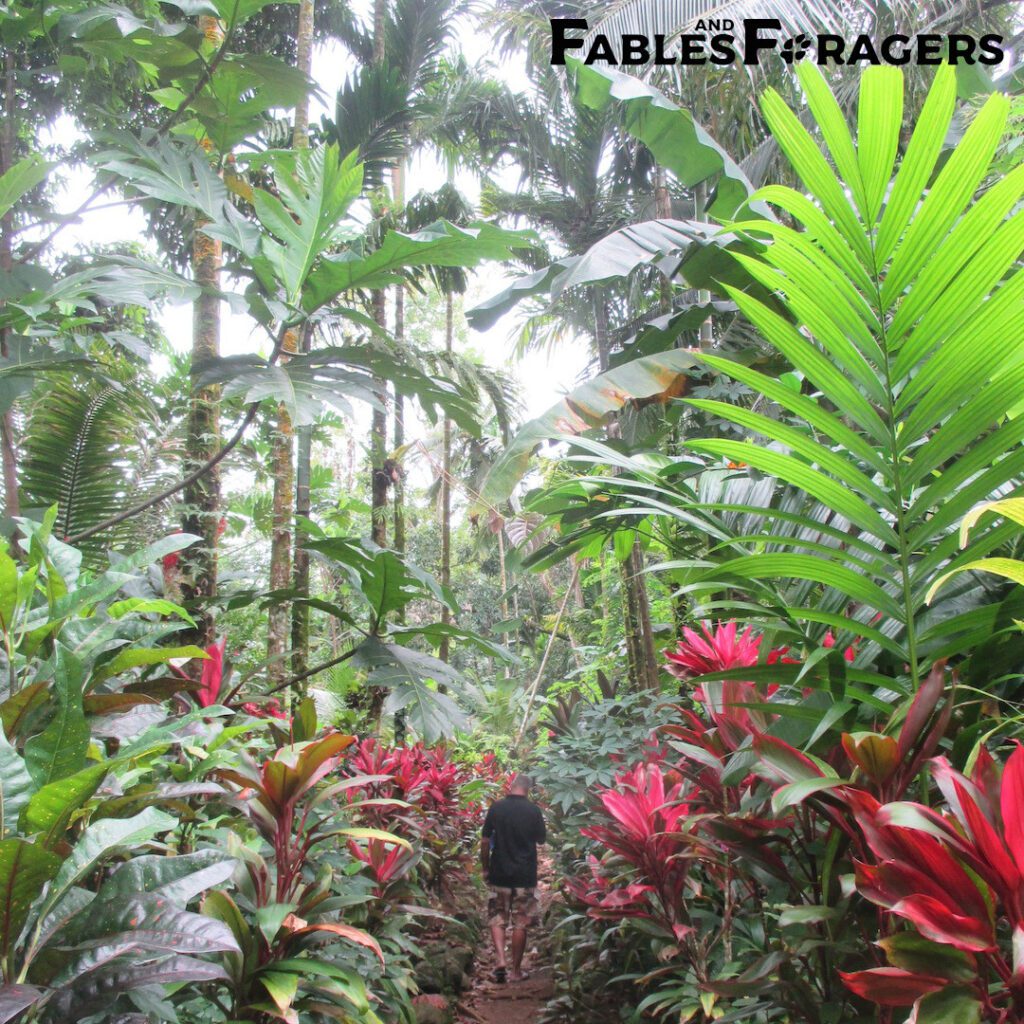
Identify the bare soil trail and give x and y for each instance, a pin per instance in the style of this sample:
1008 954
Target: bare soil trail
515 1002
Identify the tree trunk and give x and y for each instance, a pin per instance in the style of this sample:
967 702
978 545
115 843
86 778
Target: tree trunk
444 650
198 564
379 478
706 335
398 187
282 446
8 156
283 469
303 465
640 657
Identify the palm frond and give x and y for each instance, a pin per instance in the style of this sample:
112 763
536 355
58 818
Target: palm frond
83 438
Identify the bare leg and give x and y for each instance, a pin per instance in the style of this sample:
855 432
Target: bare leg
498 938
518 948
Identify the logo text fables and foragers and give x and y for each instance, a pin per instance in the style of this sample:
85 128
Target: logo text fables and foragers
721 42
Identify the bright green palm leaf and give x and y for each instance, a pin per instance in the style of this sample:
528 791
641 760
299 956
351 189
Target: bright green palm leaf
796 472
814 171
918 164
832 462
946 199
879 117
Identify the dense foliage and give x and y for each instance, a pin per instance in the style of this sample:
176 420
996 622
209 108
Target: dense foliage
281 607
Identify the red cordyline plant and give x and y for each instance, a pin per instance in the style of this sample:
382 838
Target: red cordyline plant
437 811
958 878
719 650
646 831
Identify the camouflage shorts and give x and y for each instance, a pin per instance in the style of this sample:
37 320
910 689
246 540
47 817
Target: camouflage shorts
516 907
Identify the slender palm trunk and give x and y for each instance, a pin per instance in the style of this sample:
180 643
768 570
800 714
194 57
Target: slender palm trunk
379 478
398 185
8 141
706 335
640 658
304 453
198 572
282 446
444 651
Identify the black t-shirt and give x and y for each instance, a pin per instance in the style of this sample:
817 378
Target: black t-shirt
514 826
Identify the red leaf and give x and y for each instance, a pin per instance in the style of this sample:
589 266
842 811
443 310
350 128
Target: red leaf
1012 804
938 923
891 986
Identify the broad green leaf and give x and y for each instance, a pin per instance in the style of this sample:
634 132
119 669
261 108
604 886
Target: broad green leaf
486 314
951 1005
271 917
8 591
281 987
440 245
151 922
147 606
318 187
669 132
912 952
16 787
651 379
24 870
137 657
177 879
22 177
59 750
103 839
408 676
14 999
796 792
51 807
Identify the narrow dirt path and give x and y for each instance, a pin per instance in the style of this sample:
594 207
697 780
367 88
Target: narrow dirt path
486 1002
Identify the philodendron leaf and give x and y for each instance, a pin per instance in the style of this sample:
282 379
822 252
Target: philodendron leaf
16 786
409 676
24 869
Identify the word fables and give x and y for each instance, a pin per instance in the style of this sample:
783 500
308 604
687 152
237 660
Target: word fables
716 42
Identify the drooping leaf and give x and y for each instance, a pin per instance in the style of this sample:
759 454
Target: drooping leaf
670 133
657 378
408 676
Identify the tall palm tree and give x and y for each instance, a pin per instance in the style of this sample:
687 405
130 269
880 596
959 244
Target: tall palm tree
283 443
201 498
568 191
383 110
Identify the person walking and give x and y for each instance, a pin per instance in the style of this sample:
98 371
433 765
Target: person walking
512 830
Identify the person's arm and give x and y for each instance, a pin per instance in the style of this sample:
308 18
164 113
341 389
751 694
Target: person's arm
542 832
485 844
